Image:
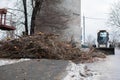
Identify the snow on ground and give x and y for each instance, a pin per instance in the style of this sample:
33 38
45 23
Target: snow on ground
80 72
11 61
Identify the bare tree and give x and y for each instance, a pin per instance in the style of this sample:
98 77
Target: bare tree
26 16
114 17
114 37
20 16
114 20
46 13
36 8
29 8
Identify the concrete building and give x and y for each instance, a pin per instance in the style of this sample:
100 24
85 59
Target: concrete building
62 17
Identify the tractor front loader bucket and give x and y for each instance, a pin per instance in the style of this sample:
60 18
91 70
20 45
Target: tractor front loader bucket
108 51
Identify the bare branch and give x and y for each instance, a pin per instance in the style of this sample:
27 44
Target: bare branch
114 17
15 9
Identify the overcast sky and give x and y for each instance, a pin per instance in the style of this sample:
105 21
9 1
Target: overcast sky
96 9
7 3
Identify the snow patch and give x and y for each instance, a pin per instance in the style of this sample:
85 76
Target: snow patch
11 61
79 72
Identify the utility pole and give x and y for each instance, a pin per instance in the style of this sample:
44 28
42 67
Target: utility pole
84 28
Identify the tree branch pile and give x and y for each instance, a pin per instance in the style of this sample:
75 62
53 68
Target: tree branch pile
45 46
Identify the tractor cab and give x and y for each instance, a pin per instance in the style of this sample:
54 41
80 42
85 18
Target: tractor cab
102 38
3 25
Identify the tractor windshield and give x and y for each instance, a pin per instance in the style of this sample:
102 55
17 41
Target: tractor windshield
103 34
103 37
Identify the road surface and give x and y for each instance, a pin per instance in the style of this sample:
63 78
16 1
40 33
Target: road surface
34 70
109 69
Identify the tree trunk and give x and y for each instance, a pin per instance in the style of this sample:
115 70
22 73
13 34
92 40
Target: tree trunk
25 14
38 4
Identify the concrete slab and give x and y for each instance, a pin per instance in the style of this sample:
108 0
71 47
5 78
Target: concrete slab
34 70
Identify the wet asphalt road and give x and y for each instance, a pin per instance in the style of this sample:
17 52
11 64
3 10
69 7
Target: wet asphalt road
34 70
109 69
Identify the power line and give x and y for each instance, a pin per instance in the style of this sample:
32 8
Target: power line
95 18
